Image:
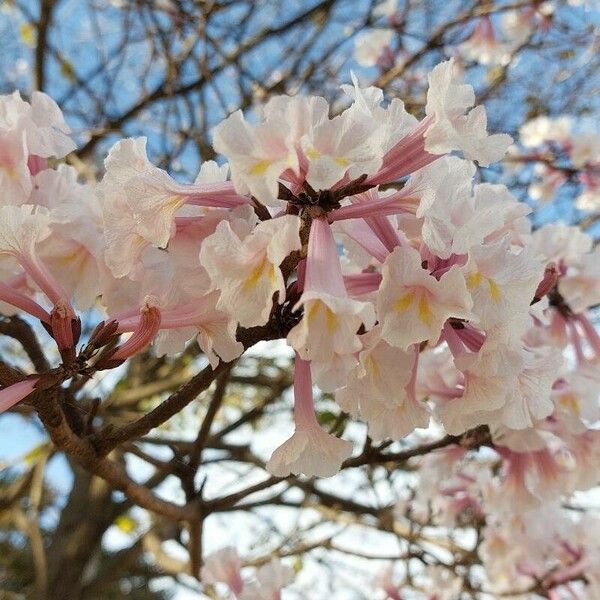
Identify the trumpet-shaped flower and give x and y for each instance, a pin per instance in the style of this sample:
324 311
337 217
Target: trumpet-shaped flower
503 385
488 377
381 389
327 333
22 228
140 202
223 566
454 218
257 154
246 271
529 399
581 288
412 305
73 251
310 450
44 130
349 143
270 580
502 283
182 316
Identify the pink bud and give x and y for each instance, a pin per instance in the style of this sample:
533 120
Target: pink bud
548 282
147 329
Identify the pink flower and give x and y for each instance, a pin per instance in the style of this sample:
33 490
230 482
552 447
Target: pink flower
367 394
246 270
310 451
223 566
326 335
483 46
270 580
453 128
413 305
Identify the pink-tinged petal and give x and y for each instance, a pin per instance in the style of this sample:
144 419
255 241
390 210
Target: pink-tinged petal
385 231
323 269
45 280
22 228
246 271
304 409
396 203
223 566
310 450
454 128
358 231
405 156
362 283
36 164
13 394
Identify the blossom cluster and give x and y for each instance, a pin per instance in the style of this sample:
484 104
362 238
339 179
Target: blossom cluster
492 41
560 151
224 567
404 287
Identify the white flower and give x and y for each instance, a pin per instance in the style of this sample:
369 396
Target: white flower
257 154
349 143
370 45
559 242
544 129
588 200
412 305
140 202
44 130
581 288
453 128
22 228
270 580
246 271
502 283
483 46
223 566
311 452
378 390
585 149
